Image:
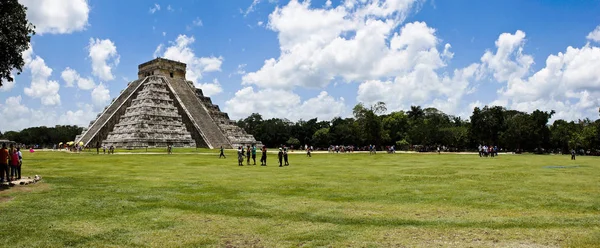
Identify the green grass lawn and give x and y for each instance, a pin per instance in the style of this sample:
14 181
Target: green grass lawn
337 200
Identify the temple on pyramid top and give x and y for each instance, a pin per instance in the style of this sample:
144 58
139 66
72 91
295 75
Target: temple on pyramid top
162 108
164 67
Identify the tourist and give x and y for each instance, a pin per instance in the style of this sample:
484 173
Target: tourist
280 157
572 154
285 156
248 152
14 165
240 152
308 151
4 164
254 154
263 158
169 149
222 154
97 147
20 156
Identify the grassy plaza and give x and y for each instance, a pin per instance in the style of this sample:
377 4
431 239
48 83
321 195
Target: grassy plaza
191 198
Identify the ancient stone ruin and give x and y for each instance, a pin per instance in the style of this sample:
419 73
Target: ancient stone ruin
162 108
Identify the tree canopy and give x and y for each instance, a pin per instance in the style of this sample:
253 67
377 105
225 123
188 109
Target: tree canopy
15 35
491 125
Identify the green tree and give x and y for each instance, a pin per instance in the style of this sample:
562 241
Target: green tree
370 122
321 138
293 142
402 145
15 36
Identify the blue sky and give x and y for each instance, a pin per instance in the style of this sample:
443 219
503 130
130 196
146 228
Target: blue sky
335 54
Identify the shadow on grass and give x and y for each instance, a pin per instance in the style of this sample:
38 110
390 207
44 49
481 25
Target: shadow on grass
252 209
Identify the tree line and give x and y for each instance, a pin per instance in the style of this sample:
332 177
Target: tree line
423 129
416 129
43 136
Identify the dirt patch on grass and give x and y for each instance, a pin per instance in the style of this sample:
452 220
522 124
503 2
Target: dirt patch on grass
4 199
37 187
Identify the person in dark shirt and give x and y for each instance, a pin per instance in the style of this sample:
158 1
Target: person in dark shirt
280 157
222 154
240 156
572 154
253 154
285 157
248 152
263 158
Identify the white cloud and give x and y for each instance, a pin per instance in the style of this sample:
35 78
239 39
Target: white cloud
57 16
104 57
158 51
154 8
569 83
6 85
197 22
594 35
41 85
274 103
169 8
357 42
164 34
260 23
251 8
71 77
181 51
210 89
318 45
100 96
22 117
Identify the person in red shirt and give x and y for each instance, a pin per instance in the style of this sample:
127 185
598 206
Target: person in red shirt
15 173
4 164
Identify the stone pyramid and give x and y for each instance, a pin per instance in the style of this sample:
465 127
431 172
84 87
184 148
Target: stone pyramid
161 108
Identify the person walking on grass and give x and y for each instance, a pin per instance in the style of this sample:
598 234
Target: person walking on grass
15 172
285 157
248 152
4 171
308 151
263 157
20 157
253 154
240 152
280 157
572 154
222 154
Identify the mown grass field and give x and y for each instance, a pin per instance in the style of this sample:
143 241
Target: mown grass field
337 200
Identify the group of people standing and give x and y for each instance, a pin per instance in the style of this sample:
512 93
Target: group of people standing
485 151
250 152
10 163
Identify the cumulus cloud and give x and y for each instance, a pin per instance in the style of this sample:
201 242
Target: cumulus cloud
594 35
71 77
359 41
277 103
41 86
180 50
57 16
22 116
100 96
211 89
349 41
569 83
104 57
6 85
